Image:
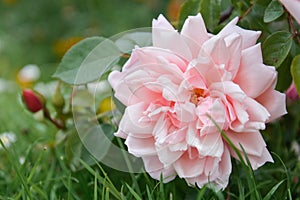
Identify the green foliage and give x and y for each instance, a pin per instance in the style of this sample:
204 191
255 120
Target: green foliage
295 70
87 60
189 7
276 48
273 11
211 12
127 42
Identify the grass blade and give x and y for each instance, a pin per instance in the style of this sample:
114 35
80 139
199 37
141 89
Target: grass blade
136 196
273 190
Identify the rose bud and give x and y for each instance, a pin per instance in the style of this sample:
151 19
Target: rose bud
292 93
33 100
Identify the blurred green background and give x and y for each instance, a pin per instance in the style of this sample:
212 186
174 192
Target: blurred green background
39 32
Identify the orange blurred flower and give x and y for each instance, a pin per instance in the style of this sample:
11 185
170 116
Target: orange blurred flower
61 46
173 9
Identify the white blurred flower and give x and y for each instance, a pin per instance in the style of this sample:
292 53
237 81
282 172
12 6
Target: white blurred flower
7 139
22 160
29 73
46 89
296 148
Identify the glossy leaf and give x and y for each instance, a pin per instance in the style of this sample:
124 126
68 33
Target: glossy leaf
211 11
295 70
273 11
87 60
128 41
276 48
189 7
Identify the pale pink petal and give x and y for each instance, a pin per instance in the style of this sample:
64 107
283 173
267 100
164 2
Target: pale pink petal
224 169
185 112
216 48
187 168
249 37
257 161
252 142
293 6
140 146
122 92
206 69
234 44
156 169
256 111
194 32
165 155
132 124
219 178
211 145
254 78
274 102
163 36
141 56
228 88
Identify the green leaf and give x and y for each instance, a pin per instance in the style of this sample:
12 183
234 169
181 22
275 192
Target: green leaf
273 11
276 48
295 71
211 11
128 41
189 7
87 60
272 191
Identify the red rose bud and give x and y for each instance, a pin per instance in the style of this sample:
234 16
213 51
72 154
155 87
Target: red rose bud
33 100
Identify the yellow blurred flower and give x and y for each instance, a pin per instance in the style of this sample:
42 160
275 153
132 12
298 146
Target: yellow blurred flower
9 2
106 105
61 46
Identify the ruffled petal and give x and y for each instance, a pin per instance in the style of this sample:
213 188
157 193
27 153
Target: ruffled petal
252 142
249 37
187 167
156 169
253 77
140 146
194 33
131 122
274 102
164 35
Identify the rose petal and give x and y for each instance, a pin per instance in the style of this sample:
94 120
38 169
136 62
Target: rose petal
140 146
249 37
164 35
155 168
254 78
132 124
274 102
187 167
194 32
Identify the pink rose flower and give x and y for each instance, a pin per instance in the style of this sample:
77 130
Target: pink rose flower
172 88
293 6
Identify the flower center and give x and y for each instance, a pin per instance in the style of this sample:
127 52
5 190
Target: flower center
196 94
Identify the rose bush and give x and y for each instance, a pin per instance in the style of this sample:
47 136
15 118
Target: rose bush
175 88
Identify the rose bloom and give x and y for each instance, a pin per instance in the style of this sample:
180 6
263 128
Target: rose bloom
175 88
